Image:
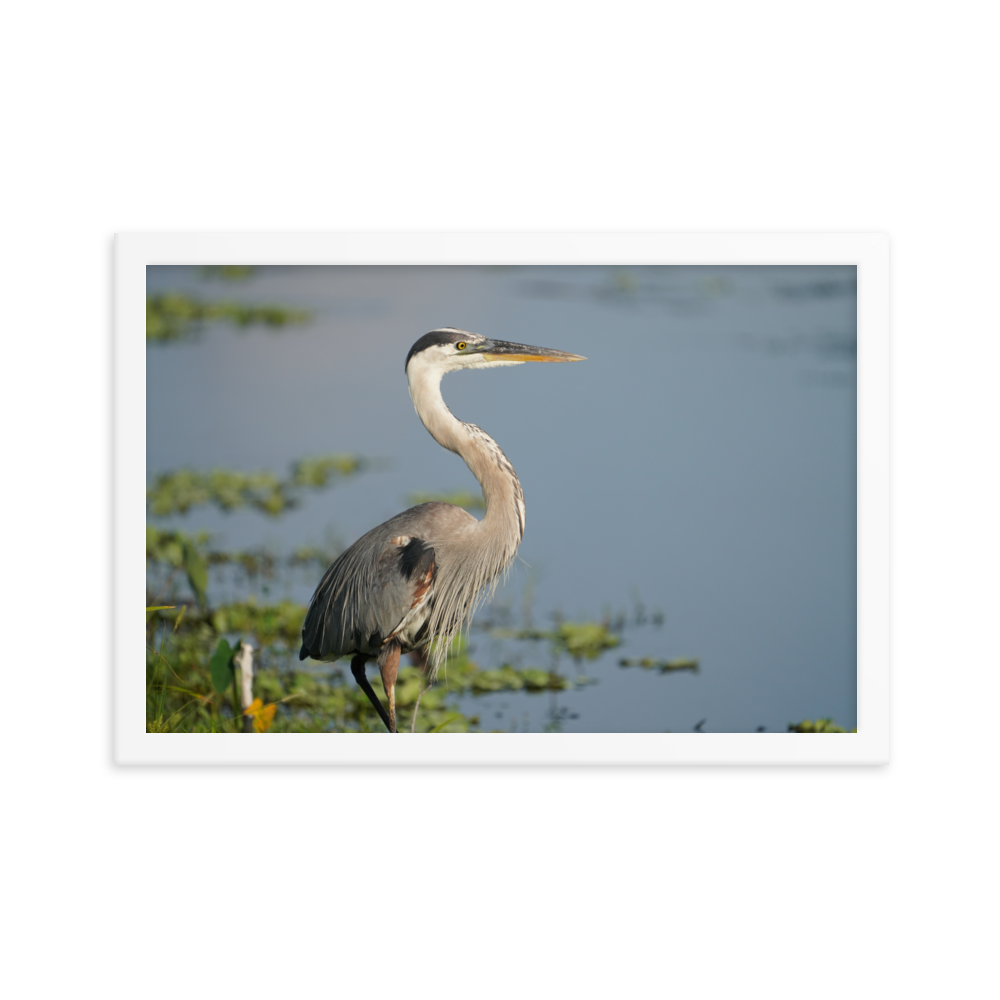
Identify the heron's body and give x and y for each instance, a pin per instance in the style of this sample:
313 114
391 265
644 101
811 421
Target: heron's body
421 574
385 586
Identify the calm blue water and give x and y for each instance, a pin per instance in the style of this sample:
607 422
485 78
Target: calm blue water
701 463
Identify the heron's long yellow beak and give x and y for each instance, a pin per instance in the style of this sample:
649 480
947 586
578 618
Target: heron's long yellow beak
502 350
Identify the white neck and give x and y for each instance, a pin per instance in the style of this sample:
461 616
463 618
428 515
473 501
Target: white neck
484 457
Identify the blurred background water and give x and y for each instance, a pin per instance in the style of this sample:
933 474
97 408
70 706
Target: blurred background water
695 478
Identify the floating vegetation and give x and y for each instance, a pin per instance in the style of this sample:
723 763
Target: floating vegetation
173 316
819 726
664 666
228 272
818 289
177 492
460 498
584 640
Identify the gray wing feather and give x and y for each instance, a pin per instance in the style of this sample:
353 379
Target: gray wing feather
367 593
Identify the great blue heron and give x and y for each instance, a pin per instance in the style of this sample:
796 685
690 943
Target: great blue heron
421 575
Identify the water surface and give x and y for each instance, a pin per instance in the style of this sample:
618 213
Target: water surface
698 469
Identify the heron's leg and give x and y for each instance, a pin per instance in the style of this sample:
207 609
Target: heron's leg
388 665
358 669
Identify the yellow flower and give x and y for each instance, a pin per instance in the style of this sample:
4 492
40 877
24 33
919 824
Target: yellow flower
263 715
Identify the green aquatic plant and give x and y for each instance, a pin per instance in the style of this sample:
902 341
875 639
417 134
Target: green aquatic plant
584 640
819 726
172 316
178 491
460 498
664 666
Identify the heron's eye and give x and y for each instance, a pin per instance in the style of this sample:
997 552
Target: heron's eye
461 346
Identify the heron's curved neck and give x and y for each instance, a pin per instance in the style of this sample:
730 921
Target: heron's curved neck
491 467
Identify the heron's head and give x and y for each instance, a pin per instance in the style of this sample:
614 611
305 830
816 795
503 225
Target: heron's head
448 350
